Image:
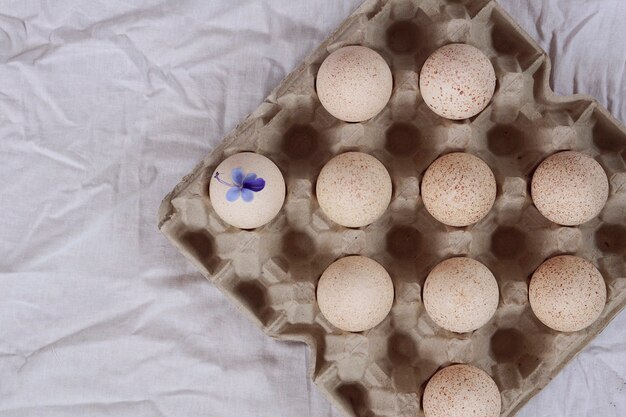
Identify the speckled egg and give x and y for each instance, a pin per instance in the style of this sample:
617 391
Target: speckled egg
355 293
247 190
354 189
569 188
461 294
457 81
461 391
354 83
458 189
567 293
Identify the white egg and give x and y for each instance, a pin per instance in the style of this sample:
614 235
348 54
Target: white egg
354 189
461 391
457 81
354 83
458 189
461 294
569 188
247 190
567 293
355 293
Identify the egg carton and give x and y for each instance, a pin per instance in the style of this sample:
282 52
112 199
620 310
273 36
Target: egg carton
271 272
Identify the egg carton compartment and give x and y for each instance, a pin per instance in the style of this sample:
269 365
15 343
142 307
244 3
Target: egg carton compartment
271 272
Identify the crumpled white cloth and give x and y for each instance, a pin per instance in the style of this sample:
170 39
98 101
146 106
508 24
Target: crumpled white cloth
104 106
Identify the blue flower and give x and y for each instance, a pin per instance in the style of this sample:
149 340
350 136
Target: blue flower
243 185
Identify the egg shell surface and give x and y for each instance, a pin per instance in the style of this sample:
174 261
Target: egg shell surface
461 294
569 188
354 83
355 293
461 391
567 293
457 81
354 189
247 190
458 189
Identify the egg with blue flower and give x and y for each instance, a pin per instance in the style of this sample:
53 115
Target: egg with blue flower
247 190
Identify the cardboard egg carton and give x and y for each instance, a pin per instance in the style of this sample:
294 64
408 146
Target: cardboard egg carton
271 272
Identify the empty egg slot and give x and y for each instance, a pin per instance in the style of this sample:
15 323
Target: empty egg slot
251 295
607 136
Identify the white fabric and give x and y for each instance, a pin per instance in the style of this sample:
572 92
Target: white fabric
104 106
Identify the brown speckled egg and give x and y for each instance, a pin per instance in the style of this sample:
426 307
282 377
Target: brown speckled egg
567 293
461 391
354 189
354 83
457 81
247 190
355 293
461 294
569 188
458 189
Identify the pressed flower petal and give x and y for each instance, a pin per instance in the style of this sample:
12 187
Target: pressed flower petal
250 177
233 194
255 185
237 175
246 195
